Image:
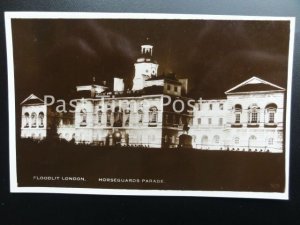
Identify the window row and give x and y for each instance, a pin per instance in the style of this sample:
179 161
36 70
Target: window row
211 106
172 88
252 141
120 118
253 115
209 121
34 120
175 120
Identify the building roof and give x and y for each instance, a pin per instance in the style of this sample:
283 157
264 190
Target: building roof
171 77
32 100
255 87
152 90
254 84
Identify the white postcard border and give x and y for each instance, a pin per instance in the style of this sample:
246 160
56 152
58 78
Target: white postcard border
137 192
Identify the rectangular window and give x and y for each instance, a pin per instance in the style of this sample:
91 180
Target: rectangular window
152 117
166 118
173 139
168 87
221 106
199 121
254 117
209 120
140 116
270 141
220 121
271 117
108 118
153 114
236 140
199 106
237 118
127 117
99 117
210 106
175 89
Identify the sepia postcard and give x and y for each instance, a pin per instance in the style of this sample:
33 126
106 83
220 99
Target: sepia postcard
149 104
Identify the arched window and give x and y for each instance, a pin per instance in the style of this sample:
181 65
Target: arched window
253 115
140 116
33 119
271 117
204 140
270 113
237 113
118 117
100 116
153 116
252 142
236 140
41 119
83 115
216 139
26 118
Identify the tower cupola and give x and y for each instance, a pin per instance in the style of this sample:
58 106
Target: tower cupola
145 67
146 49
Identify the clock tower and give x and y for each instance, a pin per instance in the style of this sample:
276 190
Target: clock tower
145 67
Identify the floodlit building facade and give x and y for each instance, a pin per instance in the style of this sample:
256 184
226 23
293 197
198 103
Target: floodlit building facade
251 118
157 111
34 118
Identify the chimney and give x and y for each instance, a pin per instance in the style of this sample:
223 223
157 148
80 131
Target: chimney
118 84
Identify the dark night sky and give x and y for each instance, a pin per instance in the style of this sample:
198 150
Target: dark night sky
53 56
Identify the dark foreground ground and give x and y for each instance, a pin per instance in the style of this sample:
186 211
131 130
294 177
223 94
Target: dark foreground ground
180 169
